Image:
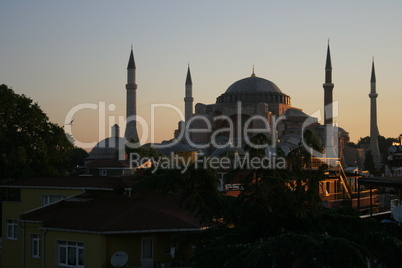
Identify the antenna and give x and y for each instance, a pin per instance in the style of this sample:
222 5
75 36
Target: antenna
119 259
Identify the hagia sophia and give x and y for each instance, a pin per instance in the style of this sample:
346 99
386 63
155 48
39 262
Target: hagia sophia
252 103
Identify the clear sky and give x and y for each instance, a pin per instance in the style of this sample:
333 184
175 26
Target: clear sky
63 53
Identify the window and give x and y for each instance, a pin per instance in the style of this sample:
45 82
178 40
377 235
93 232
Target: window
169 247
147 248
49 199
12 229
70 254
35 246
146 252
102 172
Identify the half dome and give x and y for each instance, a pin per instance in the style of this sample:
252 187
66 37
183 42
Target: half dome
108 148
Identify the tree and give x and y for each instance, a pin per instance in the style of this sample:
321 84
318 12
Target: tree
276 221
258 140
30 144
383 145
197 190
312 140
78 156
369 161
352 144
142 151
363 142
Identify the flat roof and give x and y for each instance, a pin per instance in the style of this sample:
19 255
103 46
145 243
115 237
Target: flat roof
382 181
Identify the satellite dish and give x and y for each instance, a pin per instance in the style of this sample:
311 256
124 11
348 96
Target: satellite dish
393 149
397 213
119 259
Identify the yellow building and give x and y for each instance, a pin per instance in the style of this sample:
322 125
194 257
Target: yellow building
85 221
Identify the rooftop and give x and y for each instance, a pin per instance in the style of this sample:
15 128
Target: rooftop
77 182
86 213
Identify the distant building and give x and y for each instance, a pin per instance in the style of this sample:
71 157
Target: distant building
254 101
114 147
250 101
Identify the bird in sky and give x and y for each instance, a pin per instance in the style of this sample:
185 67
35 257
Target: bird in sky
71 123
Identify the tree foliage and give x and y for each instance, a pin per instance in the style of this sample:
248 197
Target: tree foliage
30 144
363 142
369 161
257 141
276 221
78 156
383 145
142 151
312 140
197 190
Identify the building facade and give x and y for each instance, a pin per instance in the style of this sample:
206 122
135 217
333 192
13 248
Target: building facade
84 221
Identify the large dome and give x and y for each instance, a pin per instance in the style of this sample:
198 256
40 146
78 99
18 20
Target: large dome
253 84
253 90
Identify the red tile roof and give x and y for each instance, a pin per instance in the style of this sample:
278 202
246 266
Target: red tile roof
114 214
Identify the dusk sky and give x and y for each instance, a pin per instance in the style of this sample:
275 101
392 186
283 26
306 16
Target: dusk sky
64 53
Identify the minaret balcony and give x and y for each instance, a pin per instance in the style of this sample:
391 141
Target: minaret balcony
131 86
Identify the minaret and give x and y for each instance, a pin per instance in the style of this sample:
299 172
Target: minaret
188 99
131 86
374 133
331 134
328 87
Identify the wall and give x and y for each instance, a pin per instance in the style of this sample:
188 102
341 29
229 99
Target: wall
30 199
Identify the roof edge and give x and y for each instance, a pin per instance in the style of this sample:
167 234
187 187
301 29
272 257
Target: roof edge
58 187
124 231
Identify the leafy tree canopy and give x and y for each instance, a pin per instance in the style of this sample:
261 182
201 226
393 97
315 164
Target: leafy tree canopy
30 144
363 142
276 221
78 156
383 145
142 151
369 161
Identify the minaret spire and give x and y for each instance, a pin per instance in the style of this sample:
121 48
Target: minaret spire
131 101
328 66
188 78
131 62
372 73
374 133
188 99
